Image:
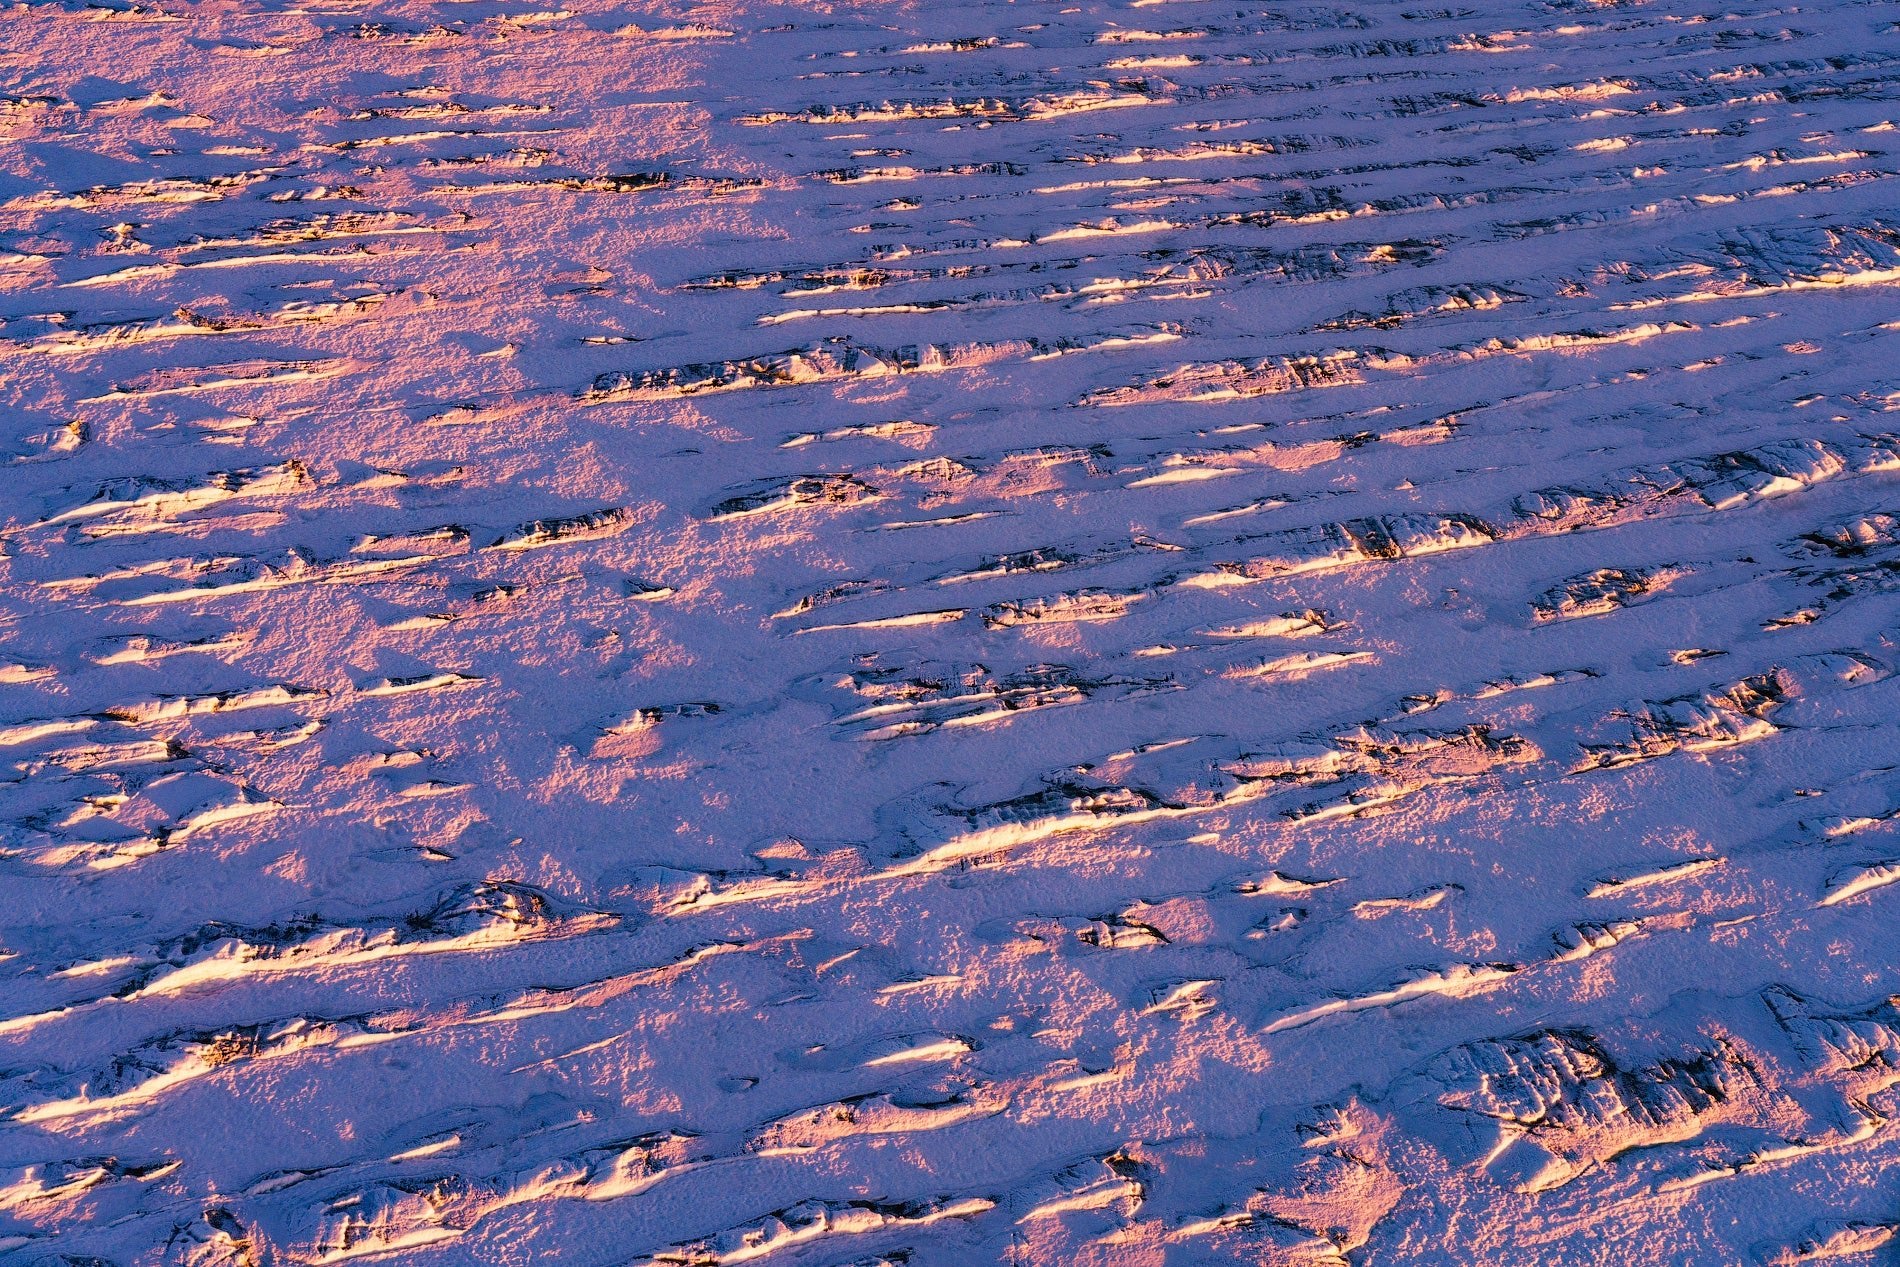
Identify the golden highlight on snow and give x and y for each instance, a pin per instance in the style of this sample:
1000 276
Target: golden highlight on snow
867 633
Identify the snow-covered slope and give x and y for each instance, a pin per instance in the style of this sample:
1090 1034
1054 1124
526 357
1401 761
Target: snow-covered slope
1174 632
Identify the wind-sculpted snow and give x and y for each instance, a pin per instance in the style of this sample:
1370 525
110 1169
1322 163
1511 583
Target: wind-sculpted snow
897 634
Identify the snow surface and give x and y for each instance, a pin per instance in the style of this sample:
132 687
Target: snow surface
1174 632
